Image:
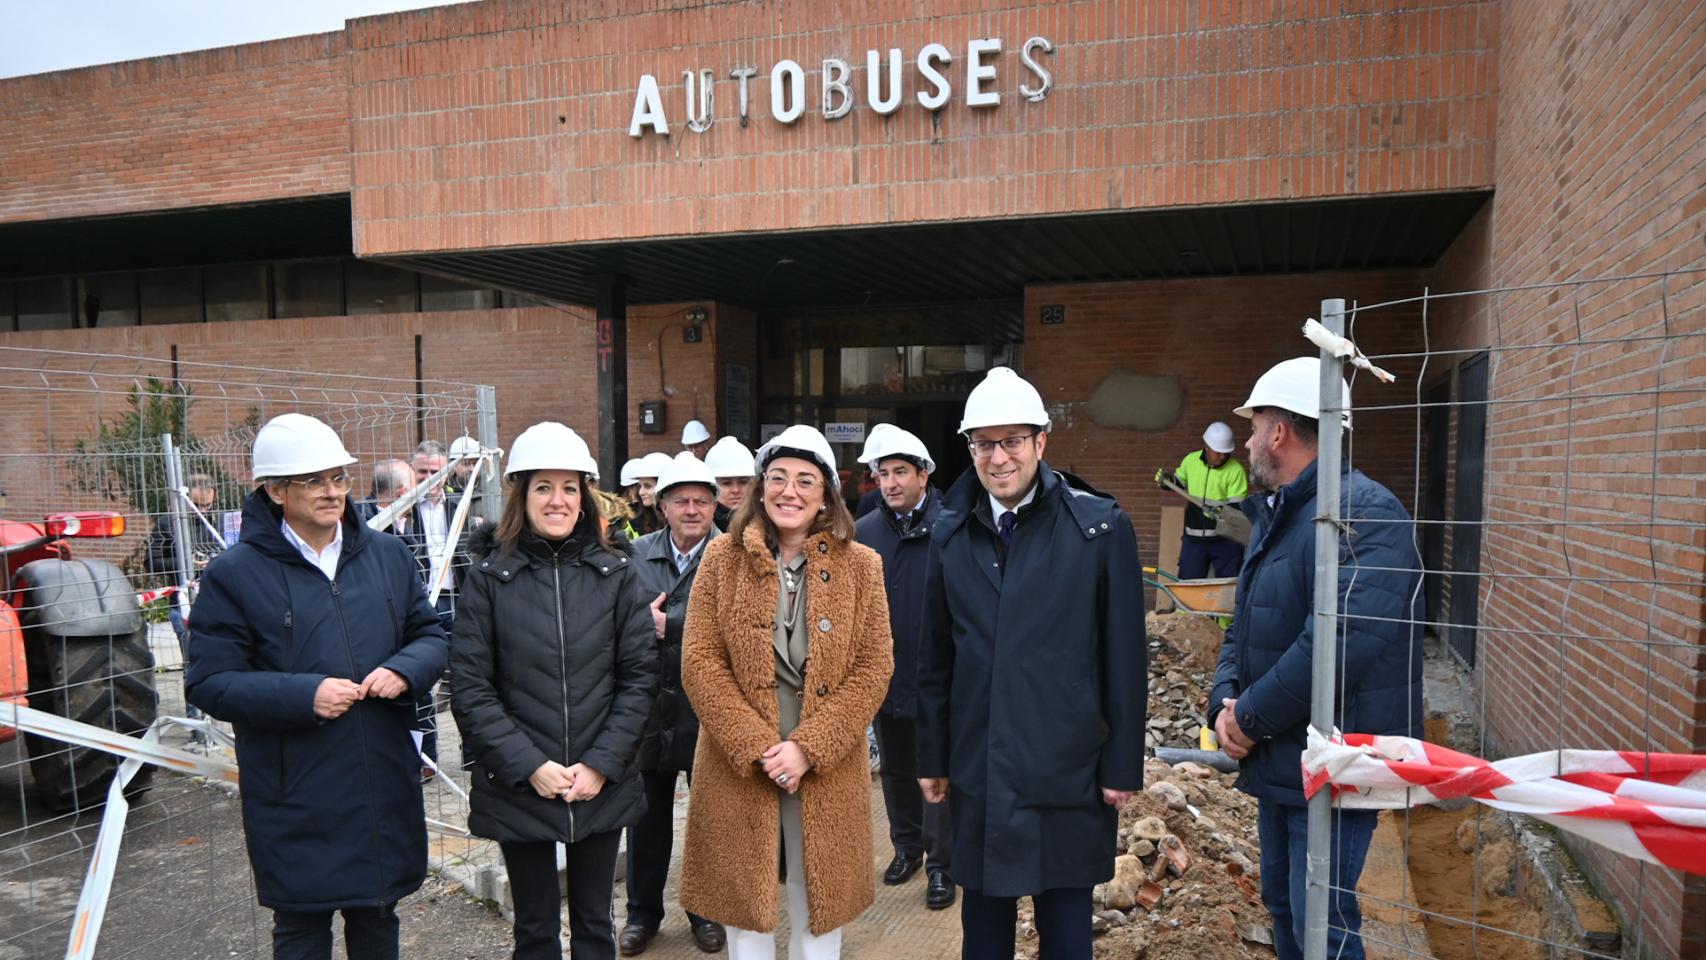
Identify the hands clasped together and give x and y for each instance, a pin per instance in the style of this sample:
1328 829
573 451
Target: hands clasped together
577 782
335 695
785 763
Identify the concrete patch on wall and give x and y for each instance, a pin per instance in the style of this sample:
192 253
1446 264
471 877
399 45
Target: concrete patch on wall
1128 400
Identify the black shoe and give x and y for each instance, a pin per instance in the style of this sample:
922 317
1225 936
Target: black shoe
633 940
901 869
710 937
939 895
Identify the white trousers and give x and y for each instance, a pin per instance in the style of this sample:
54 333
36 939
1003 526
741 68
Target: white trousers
752 945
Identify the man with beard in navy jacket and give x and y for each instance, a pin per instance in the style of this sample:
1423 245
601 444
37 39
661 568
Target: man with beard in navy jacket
1260 703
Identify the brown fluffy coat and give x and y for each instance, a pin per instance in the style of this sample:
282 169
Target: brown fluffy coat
728 669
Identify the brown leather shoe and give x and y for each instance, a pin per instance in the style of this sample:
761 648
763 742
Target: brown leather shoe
634 940
710 937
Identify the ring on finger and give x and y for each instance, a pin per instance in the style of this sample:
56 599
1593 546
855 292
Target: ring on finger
783 779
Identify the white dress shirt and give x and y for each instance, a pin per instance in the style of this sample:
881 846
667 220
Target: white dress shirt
435 526
327 561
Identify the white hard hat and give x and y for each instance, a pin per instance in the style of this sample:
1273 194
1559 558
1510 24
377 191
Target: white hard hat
1295 385
1004 397
799 439
549 446
292 444
653 465
1218 436
630 472
729 457
464 447
895 442
871 440
694 432
685 468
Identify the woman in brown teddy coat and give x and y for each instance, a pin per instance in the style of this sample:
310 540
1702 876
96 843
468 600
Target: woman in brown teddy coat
786 657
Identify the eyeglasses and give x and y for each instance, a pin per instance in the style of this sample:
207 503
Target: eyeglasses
779 481
984 449
682 503
317 486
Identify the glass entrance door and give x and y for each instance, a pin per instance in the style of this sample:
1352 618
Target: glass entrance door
912 368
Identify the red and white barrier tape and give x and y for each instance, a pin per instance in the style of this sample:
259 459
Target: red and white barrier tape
147 597
1651 806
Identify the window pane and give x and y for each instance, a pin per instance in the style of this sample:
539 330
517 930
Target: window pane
171 296
513 299
437 293
7 315
41 305
236 293
107 300
867 370
309 289
377 288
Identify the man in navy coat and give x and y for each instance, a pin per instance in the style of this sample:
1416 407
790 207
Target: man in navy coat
1032 680
1260 703
310 636
899 530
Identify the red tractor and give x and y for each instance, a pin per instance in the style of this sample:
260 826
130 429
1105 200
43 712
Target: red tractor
72 642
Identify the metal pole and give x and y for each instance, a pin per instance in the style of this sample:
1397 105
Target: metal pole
486 409
181 539
1326 613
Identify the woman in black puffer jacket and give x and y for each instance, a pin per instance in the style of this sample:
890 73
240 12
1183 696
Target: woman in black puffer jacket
554 667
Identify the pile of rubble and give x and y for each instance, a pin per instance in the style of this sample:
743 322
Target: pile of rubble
1186 883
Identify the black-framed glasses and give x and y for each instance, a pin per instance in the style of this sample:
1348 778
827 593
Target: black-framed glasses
318 485
984 449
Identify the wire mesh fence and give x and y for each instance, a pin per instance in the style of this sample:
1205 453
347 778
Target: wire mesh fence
123 477
1556 552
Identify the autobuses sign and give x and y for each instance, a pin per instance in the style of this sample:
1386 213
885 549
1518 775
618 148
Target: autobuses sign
937 75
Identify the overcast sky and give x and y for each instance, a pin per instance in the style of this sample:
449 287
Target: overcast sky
41 35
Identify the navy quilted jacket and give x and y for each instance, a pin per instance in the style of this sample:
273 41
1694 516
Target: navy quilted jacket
1266 659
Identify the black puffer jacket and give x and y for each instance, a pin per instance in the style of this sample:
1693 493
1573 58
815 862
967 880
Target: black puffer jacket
553 657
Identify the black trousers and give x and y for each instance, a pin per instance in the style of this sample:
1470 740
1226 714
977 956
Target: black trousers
915 827
649 845
1199 555
1063 925
533 888
369 932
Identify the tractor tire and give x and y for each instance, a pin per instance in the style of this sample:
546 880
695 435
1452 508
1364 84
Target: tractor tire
104 681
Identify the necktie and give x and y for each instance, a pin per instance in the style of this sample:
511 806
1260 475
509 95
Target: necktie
1004 526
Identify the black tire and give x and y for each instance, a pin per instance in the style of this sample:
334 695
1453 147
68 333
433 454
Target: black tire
104 681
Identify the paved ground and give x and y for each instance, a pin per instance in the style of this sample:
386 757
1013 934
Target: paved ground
183 889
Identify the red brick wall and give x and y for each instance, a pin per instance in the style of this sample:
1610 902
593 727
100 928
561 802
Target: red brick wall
232 125
1599 167
496 124
1215 336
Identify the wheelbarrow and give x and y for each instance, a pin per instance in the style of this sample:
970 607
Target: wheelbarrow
1212 597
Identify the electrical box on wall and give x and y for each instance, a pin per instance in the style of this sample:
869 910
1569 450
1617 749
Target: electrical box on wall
651 417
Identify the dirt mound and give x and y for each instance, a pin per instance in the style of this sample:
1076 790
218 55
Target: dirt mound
1187 885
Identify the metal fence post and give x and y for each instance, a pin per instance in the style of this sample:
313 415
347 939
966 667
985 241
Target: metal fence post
486 407
1326 614
182 541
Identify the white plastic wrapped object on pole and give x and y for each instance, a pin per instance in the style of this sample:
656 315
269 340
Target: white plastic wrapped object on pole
1343 348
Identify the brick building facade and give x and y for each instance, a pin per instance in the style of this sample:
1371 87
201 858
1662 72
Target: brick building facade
1192 182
